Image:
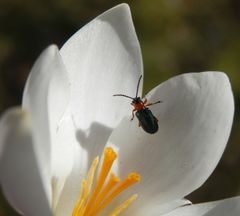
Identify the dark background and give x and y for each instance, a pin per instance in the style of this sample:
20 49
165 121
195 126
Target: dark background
176 36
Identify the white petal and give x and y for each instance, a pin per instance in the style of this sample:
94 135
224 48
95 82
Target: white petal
103 58
227 207
195 120
69 190
155 209
46 96
21 179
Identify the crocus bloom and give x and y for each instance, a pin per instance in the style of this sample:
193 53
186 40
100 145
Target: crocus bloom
68 117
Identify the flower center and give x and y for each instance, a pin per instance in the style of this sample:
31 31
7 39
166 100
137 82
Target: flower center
93 200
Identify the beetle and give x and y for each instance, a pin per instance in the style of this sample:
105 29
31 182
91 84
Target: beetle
146 119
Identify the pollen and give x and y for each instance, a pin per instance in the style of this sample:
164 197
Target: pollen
93 199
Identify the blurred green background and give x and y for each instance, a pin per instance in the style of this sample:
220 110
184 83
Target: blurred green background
176 36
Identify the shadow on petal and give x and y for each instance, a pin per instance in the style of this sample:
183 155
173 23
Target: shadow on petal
91 143
93 140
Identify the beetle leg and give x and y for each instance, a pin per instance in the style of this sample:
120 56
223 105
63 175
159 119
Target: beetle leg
139 124
150 104
133 114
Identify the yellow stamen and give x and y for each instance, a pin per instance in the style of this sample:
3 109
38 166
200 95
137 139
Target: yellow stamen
113 180
123 206
102 195
78 205
86 189
132 178
109 157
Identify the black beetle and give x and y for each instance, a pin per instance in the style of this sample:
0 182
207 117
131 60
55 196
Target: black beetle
147 120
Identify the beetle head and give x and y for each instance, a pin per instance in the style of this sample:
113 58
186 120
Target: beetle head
136 100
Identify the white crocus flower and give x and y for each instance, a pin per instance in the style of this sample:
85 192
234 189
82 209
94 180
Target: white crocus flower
69 116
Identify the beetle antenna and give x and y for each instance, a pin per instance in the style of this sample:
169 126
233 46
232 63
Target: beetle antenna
138 85
122 95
